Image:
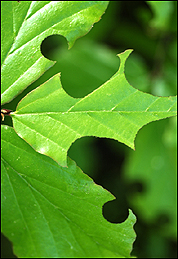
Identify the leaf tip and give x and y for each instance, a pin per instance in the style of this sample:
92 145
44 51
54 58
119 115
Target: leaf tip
123 56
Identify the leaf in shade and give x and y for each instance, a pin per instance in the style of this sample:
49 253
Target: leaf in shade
48 211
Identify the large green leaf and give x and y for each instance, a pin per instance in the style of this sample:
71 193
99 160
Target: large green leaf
50 211
50 120
25 24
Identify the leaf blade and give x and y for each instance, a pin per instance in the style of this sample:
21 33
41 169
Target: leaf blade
50 120
55 211
21 60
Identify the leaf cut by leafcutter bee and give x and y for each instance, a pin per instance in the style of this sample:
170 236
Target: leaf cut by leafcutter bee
5 112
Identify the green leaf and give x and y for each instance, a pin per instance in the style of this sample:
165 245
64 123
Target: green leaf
50 120
155 168
25 24
162 10
51 212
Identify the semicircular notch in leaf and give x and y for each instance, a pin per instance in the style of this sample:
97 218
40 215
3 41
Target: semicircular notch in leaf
25 24
48 211
50 120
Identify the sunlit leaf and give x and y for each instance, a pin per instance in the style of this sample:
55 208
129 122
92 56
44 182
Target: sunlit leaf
25 24
50 120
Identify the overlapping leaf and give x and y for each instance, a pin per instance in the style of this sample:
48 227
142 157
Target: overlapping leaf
25 24
50 120
55 212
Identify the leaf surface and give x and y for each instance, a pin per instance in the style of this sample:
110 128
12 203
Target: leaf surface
49 211
25 24
50 120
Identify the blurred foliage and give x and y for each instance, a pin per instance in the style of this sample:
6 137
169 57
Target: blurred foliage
143 180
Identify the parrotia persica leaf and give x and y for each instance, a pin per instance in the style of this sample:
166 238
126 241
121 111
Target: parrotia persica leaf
50 120
25 24
49 211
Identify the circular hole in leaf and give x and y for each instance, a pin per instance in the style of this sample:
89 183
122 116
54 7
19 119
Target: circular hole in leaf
52 46
115 212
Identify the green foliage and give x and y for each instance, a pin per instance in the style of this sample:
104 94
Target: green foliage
115 110
53 211
159 186
21 56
